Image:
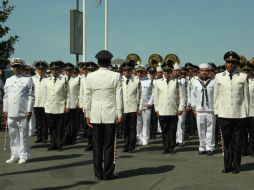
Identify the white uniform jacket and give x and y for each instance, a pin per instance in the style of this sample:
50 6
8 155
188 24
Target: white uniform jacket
19 96
251 90
231 97
132 96
74 89
39 90
147 92
202 96
57 94
183 82
168 98
82 92
103 96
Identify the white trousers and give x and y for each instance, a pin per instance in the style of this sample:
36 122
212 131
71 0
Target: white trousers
180 128
19 138
206 131
32 125
143 127
159 127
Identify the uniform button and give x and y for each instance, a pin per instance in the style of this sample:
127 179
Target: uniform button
231 104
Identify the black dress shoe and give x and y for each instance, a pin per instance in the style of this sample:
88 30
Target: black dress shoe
125 150
112 177
99 178
52 148
131 151
209 153
165 151
60 148
181 145
89 148
201 152
38 141
236 170
226 170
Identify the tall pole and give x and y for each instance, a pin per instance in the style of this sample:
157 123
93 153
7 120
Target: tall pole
106 24
77 55
84 30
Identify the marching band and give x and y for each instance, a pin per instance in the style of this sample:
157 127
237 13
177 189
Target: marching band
138 101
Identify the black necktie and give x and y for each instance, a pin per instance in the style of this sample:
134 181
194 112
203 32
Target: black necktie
204 92
55 80
69 78
152 82
40 79
127 81
168 80
230 75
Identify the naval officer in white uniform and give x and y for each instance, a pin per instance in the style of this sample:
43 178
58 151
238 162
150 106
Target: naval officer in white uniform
18 105
231 104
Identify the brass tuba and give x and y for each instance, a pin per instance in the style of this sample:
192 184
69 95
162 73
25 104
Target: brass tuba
252 61
134 58
172 57
155 60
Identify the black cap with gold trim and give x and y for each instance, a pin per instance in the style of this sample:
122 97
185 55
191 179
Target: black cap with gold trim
231 57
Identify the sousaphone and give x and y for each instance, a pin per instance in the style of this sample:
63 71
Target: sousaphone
155 60
173 57
134 58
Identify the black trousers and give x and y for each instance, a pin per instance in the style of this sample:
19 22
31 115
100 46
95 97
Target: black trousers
231 132
250 129
56 129
154 123
190 124
103 149
168 127
89 137
129 124
41 123
71 125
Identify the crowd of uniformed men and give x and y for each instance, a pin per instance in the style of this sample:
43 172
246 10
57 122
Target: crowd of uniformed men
216 103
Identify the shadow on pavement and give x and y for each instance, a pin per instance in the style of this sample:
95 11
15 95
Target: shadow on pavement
56 157
150 148
80 183
70 165
70 147
125 156
45 145
247 167
145 171
184 149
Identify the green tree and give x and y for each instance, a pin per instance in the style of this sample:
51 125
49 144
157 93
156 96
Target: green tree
6 43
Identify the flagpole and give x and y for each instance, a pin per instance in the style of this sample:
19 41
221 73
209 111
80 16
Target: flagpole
84 30
106 24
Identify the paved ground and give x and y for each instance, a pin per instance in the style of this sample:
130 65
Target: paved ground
147 168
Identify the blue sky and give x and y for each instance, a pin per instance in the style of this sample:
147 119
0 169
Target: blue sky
196 30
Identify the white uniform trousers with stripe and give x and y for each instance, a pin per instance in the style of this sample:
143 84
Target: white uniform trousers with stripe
206 130
19 138
143 127
180 128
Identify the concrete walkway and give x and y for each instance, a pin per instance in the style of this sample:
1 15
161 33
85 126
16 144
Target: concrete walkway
147 169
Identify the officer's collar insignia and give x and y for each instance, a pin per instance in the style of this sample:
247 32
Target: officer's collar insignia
224 73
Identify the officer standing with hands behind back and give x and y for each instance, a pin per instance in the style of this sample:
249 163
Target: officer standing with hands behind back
103 99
